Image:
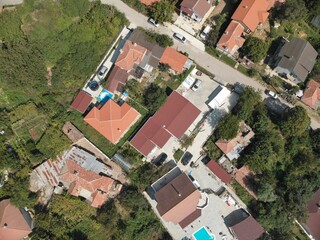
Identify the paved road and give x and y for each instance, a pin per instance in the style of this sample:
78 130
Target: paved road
220 69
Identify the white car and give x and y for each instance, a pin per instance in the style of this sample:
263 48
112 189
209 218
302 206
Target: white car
272 94
153 22
196 85
179 37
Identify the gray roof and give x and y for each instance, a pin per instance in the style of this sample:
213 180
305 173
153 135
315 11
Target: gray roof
298 56
140 38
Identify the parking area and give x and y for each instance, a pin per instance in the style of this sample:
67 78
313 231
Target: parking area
212 217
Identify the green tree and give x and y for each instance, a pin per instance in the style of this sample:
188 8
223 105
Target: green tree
215 32
228 127
162 11
154 97
164 40
315 136
266 193
246 104
295 122
164 67
295 10
254 48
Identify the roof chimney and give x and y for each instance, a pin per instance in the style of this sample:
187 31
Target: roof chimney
245 6
119 130
226 32
5 225
75 172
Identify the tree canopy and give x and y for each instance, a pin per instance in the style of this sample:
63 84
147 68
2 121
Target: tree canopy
254 48
228 127
162 11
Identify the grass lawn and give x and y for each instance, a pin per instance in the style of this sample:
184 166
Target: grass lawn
224 58
243 70
178 154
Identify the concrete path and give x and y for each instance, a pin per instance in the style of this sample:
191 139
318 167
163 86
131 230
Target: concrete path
196 52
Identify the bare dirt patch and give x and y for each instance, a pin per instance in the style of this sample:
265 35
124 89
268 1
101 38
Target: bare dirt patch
49 76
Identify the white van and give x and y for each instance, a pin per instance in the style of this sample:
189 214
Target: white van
205 32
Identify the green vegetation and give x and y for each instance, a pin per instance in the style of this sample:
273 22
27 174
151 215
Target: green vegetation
242 193
137 5
217 30
284 162
212 150
178 154
228 127
254 48
162 40
162 11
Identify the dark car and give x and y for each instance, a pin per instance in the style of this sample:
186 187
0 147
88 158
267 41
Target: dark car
158 161
186 158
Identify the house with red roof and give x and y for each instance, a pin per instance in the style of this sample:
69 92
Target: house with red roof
82 101
195 9
149 2
311 95
247 229
232 39
81 173
247 17
171 120
176 60
177 198
112 120
217 170
15 223
312 225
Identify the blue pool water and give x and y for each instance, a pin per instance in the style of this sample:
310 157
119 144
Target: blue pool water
202 234
104 96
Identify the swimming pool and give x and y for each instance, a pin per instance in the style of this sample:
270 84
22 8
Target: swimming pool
202 234
104 96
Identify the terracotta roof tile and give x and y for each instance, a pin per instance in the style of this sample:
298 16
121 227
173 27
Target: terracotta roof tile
219 171
173 118
174 59
312 94
225 146
130 54
112 120
200 7
148 2
252 12
232 37
82 101
17 226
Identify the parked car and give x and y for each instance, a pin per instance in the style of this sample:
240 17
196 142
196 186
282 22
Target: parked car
153 22
272 94
158 161
196 85
179 37
186 158
101 72
205 32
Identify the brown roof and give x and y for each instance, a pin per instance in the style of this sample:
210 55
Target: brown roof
149 2
82 101
248 229
173 118
112 120
312 94
191 218
15 224
232 37
225 145
243 176
117 77
219 171
252 13
200 7
178 199
174 59
130 54
313 221
72 132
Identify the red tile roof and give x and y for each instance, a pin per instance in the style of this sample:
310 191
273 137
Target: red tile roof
82 101
85 183
148 2
174 59
219 171
225 145
173 118
248 229
118 77
232 37
312 94
313 221
252 12
13 225
112 120
130 54
200 7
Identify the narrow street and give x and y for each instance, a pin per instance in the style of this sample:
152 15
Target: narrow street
205 60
